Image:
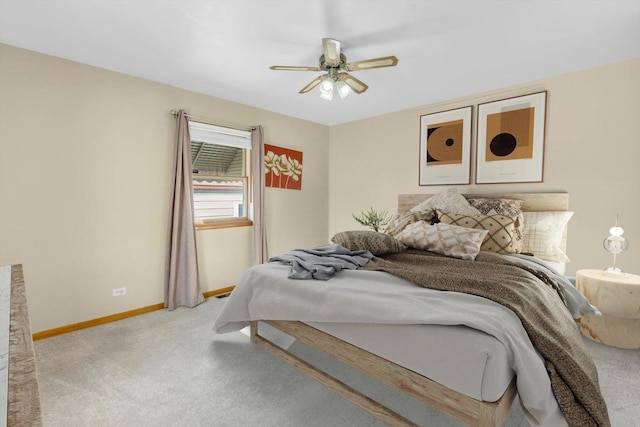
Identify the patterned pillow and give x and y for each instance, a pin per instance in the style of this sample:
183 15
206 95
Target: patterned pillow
507 207
543 233
501 229
372 241
447 201
445 239
402 220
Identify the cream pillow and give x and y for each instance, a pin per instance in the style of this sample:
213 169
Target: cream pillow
445 239
501 237
543 233
447 201
402 220
508 207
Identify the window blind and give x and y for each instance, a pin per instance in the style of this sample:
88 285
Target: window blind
212 134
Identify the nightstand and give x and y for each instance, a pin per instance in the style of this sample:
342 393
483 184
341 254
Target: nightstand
618 298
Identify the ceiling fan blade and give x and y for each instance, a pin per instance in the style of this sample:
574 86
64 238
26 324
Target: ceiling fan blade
331 49
355 84
313 83
385 61
293 68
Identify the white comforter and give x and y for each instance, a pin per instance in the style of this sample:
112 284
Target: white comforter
265 292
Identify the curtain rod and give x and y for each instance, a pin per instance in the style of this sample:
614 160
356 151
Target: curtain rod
174 113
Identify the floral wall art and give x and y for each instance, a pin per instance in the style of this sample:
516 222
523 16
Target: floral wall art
283 167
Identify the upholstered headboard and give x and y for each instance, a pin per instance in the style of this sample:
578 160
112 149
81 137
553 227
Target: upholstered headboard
532 202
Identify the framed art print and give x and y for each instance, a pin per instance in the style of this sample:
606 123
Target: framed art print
283 167
510 144
445 147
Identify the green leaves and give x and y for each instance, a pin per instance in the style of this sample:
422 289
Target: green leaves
373 219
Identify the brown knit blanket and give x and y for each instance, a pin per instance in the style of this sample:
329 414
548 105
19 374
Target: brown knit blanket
536 299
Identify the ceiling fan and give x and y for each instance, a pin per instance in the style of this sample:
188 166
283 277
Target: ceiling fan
334 62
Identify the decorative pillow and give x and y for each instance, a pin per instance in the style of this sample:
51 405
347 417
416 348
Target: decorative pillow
507 207
447 201
402 220
445 239
372 241
543 233
501 228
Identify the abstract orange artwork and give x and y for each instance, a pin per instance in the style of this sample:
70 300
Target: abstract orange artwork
445 147
283 167
444 143
510 135
510 144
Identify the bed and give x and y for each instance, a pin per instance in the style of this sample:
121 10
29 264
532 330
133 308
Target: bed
475 384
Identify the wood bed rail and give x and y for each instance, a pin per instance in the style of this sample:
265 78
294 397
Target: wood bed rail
470 411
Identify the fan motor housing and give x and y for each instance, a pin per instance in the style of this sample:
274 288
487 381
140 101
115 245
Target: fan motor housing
341 64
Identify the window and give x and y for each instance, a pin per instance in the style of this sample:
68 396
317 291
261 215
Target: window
220 159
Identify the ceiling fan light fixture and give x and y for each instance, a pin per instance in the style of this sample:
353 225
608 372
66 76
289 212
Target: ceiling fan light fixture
326 89
343 89
338 79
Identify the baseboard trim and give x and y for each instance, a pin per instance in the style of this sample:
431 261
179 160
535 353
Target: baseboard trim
115 317
217 292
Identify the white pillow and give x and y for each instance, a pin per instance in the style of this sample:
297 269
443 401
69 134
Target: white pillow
543 234
447 201
445 239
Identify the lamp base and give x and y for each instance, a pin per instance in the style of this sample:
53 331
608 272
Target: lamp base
613 271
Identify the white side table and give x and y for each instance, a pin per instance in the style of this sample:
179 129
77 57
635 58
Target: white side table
618 298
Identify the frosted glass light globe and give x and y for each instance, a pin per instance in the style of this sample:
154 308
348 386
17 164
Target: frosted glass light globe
615 244
326 86
616 231
326 90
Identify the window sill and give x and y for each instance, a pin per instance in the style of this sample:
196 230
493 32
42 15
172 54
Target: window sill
209 224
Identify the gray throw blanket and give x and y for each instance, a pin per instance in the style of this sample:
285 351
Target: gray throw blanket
322 263
537 300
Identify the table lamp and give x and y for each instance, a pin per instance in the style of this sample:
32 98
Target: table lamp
615 244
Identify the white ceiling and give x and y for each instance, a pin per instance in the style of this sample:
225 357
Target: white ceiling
446 48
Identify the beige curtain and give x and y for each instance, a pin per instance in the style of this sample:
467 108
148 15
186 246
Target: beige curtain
182 281
257 176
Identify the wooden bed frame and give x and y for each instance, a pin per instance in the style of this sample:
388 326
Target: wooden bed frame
455 404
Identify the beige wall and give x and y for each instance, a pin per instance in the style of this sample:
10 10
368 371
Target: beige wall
592 152
85 170
85 164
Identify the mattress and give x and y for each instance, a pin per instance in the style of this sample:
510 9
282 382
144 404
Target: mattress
461 358
370 299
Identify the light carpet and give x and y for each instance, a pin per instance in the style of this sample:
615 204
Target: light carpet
169 369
